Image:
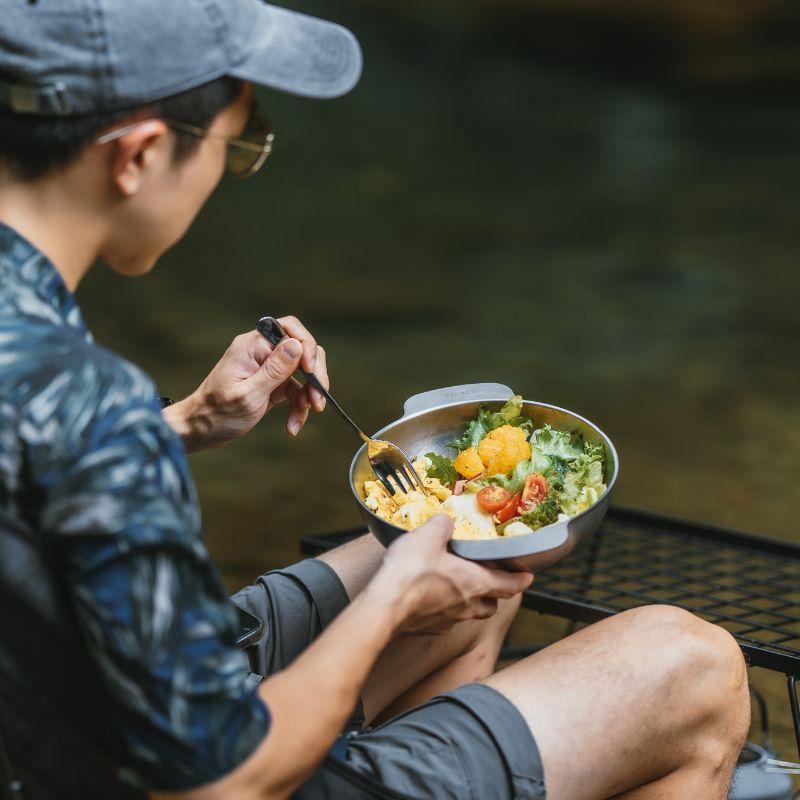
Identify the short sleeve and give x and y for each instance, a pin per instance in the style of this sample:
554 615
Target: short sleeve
119 506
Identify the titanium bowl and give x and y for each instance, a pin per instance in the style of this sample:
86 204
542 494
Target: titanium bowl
434 418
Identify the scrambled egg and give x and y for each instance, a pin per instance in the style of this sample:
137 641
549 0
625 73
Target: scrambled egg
502 448
410 510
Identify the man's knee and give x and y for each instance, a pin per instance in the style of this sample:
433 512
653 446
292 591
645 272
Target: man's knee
699 662
699 645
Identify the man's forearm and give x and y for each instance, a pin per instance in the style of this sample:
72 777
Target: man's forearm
311 700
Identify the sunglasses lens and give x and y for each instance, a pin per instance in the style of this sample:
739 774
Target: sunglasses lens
241 161
245 161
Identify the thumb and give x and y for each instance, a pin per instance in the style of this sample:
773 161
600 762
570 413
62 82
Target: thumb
437 529
281 363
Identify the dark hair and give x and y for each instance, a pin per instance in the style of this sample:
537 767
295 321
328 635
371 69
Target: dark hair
33 145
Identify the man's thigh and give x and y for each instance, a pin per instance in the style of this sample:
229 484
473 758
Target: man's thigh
296 604
623 697
470 743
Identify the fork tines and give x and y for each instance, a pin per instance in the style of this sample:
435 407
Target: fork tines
404 479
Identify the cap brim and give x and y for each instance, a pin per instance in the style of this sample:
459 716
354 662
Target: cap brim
302 55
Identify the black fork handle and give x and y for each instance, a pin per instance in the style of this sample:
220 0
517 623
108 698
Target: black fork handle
274 333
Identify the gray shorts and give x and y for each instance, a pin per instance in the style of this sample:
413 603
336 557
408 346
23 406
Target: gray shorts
468 743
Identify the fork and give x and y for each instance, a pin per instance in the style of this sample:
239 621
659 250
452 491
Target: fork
388 461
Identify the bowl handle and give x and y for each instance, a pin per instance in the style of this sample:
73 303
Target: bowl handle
456 394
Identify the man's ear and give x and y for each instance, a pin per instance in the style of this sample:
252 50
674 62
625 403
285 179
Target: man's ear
136 151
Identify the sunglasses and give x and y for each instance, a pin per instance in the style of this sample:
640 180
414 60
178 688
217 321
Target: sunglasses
246 153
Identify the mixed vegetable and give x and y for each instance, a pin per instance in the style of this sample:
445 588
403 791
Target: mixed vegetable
507 478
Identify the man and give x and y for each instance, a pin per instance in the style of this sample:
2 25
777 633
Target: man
119 671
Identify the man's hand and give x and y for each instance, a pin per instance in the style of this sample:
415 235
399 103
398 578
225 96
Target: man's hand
248 381
434 588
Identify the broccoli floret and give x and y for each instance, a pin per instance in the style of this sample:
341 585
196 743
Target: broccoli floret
545 513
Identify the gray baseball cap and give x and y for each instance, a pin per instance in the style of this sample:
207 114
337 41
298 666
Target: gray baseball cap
67 57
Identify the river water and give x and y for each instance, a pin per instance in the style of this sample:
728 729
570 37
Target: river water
624 248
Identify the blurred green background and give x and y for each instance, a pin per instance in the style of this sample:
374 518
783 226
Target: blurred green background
595 203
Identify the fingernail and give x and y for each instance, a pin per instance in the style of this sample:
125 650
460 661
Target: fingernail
293 348
294 428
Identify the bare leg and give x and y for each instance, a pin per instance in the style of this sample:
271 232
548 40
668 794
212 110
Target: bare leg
649 705
415 668
355 562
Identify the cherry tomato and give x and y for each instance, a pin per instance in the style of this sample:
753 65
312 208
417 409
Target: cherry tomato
509 510
534 492
493 498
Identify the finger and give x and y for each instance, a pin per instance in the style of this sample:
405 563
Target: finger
507 584
297 396
279 366
297 330
286 392
298 413
246 354
256 346
251 350
321 371
484 608
312 397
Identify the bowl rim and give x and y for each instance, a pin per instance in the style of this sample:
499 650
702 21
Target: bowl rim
535 403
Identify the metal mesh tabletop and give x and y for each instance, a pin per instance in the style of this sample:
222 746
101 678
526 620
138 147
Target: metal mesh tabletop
748 584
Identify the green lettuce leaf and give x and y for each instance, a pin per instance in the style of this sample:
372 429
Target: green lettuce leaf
509 414
549 442
472 435
594 452
514 481
555 471
442 468
584 483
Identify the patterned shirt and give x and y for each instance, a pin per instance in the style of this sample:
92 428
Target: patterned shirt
81 430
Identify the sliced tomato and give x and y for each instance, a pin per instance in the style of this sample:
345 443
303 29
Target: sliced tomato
493 498
509 510
458 487
534 492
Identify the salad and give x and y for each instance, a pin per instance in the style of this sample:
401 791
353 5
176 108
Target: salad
504 477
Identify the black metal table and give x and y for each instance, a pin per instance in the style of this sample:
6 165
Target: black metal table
746 583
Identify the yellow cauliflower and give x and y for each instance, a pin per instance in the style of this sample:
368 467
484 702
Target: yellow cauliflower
469 463
502 448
